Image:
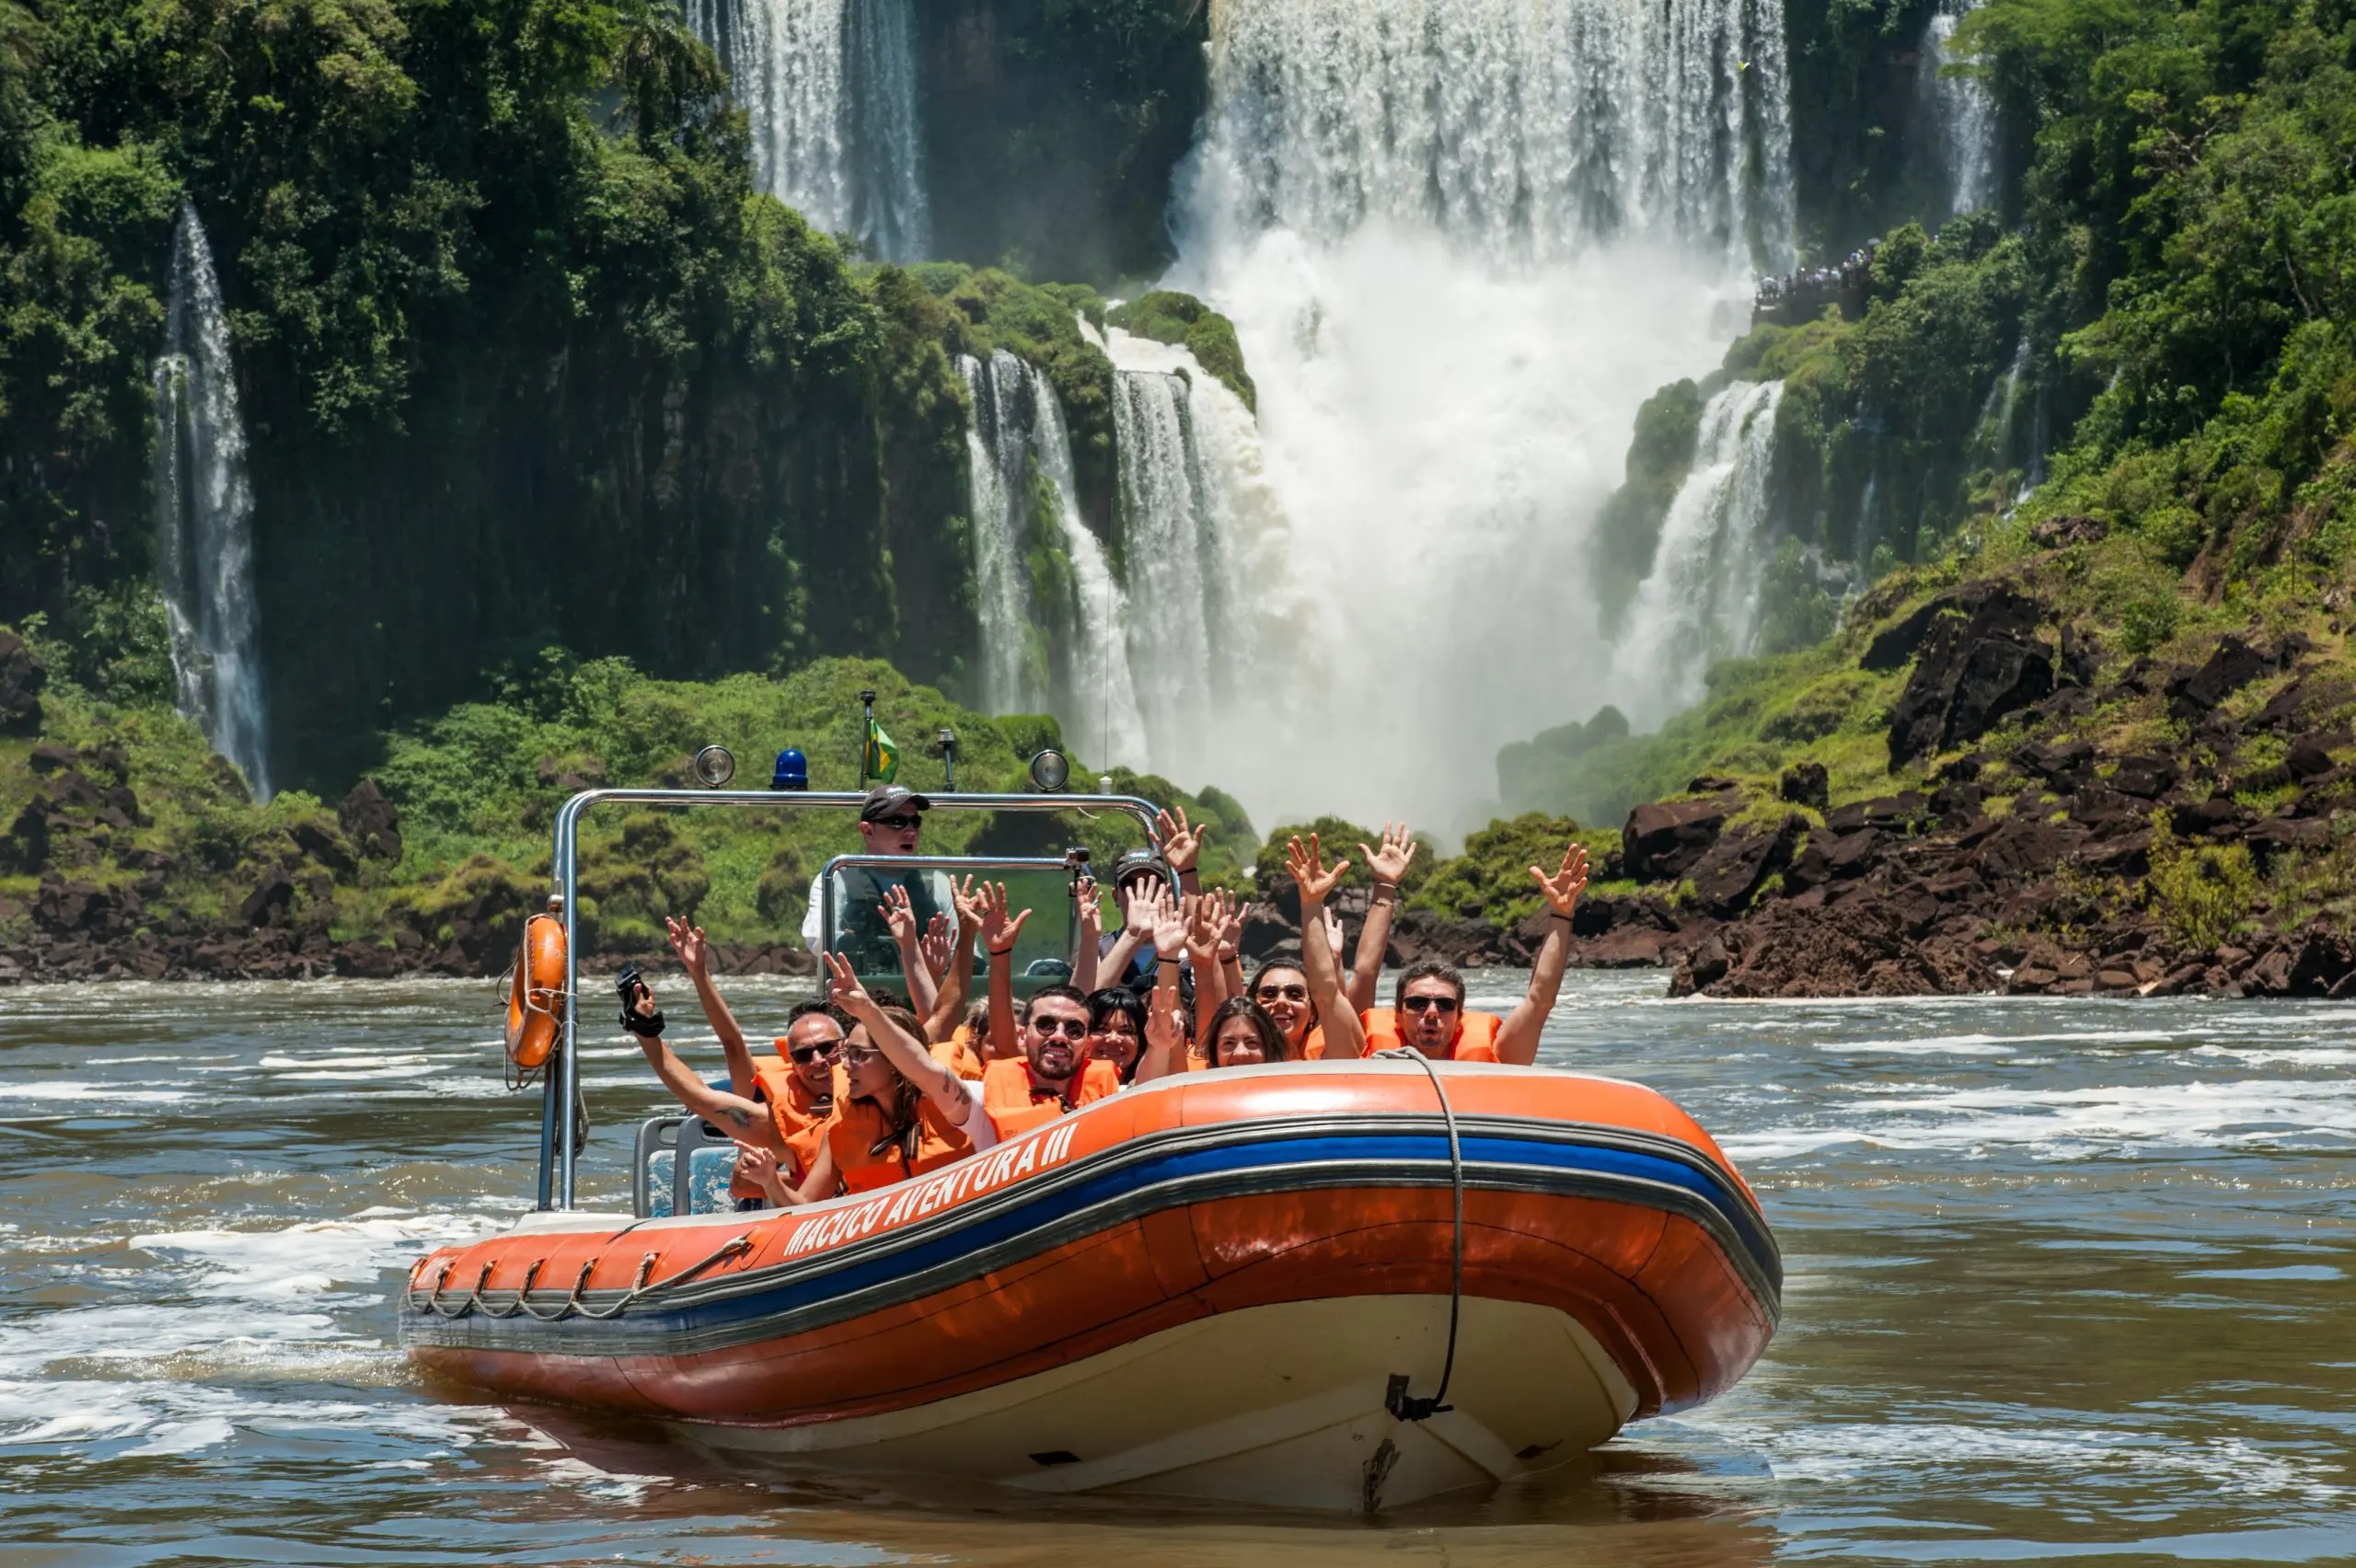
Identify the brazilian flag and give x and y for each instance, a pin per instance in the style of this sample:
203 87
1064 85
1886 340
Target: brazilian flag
882 754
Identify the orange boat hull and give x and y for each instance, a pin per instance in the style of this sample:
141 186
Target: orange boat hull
1208 1288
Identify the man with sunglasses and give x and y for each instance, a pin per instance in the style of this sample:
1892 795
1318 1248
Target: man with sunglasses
1428 1013
1054 1073
891 821
797 1088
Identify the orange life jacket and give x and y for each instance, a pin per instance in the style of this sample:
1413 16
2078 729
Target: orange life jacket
956 1054
860 1124
1016 1103
1312 1045
1476 1037
793 1111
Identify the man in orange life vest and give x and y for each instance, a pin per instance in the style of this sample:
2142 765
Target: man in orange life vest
1428 1014
797 1088
1054 1073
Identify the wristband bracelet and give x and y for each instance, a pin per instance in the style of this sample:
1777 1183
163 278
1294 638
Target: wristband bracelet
999 953
1558 914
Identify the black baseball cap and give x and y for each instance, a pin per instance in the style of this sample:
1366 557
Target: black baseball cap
1140 863
891 799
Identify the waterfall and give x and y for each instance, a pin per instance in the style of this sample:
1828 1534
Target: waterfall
1018 453
829 87
204 510
1963 114
1461 241
1700 601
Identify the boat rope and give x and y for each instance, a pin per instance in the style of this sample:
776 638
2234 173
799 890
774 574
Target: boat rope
571 1306
1403 1405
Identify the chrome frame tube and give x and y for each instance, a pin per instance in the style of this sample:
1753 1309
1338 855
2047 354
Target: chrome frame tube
564 1082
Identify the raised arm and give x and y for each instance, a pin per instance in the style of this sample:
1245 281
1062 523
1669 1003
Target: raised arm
739 1116
900 917
1345 1036
1165 1036
906 1054
1205 916
999 933
1229 952
695 956
957 980
1386 866
1181 844
1518 1036
1137 932
1088 912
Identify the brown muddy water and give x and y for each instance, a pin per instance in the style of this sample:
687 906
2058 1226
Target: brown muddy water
2068 1279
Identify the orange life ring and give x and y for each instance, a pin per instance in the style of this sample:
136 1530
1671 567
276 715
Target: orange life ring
536 1001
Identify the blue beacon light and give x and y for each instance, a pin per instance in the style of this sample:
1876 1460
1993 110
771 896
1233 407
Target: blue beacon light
792 771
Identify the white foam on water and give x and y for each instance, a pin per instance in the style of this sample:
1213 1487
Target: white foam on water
80 1091
2075 1123
2065 1457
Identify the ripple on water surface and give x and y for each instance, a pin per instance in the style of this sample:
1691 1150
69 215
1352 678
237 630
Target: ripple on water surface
2066 1279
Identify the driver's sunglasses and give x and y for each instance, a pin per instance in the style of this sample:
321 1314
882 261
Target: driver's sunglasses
899 822
805 1054
1070 1027
1281 993
1430 1004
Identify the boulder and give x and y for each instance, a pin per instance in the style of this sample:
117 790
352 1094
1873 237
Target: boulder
22 675
26 848
2307 760
1662 841
326 845
1624 947
370 822
1731 875
2025 846
1859 948
269 903
1807 784
1899 812
2233 666
2145 777
1977 665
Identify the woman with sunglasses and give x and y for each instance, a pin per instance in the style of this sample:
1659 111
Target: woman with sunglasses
902 1114
1281 991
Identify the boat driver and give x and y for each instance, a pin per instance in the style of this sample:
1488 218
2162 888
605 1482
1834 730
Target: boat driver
891 821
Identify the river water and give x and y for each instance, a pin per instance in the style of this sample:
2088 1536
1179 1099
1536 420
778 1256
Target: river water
2067 1278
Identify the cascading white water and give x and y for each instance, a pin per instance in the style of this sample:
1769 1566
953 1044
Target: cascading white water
829 87
1963 115
1461 241
1700 601
1018 453
204 509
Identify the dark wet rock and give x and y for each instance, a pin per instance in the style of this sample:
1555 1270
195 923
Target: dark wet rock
1712 784
2146 777
2233 666
2217 817
1898 812
269 903
22 675
1807 784
1662 841
1731 873
370 822
2313 961
2023 848
1624 947
26 848
1859 948
1957 802
2269 836
2306 761
326 845
2064 767
1977 665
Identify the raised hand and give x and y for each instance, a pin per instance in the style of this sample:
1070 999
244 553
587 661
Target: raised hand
899 915
1230 927
1140 912
848 993
1389 863
939 948
1169 925
1087 905
1000 931
971 901
1307 864
1179 841
1563 889
1332 927
687 942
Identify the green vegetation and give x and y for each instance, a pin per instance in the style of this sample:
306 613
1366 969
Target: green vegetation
1167 316
2202 891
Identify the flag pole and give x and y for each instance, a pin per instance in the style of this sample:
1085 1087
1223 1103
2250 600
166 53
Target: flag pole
866 735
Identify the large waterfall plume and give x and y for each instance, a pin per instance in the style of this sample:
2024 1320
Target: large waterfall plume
1212 594
829 87
1461 241
1068 655
204 509
1700 600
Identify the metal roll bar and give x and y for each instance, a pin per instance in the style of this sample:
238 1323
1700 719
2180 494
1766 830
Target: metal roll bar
559 1143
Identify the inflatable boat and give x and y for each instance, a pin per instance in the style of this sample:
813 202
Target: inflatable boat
1331 1285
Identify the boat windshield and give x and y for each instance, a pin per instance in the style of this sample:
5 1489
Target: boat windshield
852 920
